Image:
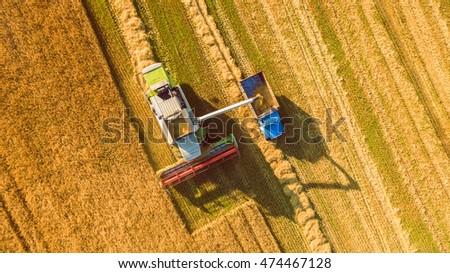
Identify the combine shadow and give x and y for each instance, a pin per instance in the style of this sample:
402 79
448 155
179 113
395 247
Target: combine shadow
225 185
304 141
202 191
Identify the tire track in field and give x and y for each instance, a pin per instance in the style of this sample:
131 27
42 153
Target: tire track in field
10 241
246 225
14 226
280 57
363 207
362 67
241 59
322 169
233 42
432 49
210 37
282 34
417 72
436 159
260 229
243 231
407 92
413 107
429 191
433 55
435 153
402 133
438 20
334 15
19 215
366 164
436 23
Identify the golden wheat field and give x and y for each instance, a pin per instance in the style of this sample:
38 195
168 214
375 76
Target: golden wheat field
368 81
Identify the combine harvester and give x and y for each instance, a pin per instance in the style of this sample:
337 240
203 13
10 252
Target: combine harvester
181 128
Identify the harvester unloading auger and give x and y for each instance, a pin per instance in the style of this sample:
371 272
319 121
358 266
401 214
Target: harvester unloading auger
181 128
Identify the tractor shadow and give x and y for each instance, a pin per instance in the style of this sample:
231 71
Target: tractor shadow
304 141
233 182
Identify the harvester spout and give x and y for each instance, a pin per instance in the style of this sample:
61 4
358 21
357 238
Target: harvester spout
225 109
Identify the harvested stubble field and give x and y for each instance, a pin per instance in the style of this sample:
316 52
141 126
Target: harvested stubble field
379 185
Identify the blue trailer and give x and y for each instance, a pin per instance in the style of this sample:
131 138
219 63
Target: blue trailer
265 110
